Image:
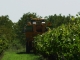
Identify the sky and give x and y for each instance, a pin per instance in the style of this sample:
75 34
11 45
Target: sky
16 8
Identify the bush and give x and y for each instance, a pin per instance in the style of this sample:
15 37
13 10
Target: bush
62 42
3 43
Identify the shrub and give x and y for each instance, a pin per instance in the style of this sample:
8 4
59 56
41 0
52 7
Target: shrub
62 42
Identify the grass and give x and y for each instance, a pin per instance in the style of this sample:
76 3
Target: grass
15 56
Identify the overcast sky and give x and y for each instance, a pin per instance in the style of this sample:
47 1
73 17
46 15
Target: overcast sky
16 8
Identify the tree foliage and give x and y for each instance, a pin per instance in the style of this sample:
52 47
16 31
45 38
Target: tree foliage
58 20
62 42
6 32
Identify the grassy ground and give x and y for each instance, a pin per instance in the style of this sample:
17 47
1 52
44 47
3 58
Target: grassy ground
19 56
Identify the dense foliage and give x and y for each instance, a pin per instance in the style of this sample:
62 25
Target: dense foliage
6 32
62 42
58 20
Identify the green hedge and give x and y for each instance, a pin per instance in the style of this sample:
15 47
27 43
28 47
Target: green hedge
63 41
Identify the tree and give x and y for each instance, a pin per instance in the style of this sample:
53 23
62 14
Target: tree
58 20
6 32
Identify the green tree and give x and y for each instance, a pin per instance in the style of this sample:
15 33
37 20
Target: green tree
6 32
58 20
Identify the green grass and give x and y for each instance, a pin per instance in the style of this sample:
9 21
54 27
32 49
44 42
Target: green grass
15 56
